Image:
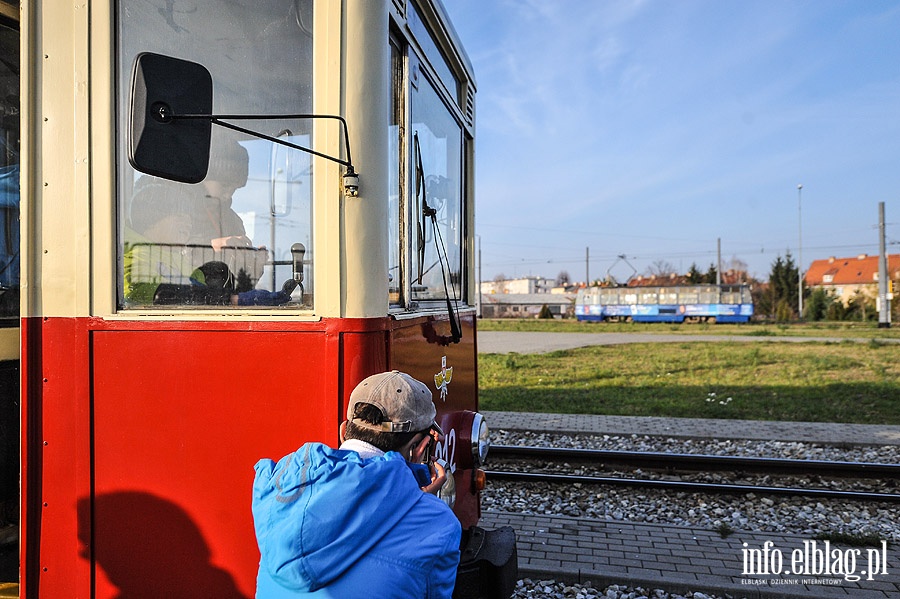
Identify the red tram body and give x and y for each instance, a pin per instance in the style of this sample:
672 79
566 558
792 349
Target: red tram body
142 413
186 438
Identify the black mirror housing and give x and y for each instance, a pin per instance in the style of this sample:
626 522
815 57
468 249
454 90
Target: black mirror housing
162 146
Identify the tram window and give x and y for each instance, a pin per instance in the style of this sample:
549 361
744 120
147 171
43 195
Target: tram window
435 56
648 297
688 296
709 296
440 142
668 297
244 235
9 172
395 177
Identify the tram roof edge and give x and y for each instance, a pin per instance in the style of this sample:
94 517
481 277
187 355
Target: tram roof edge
457 42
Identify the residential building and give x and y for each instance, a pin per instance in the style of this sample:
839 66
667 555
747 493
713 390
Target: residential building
527 305
846 278
523 285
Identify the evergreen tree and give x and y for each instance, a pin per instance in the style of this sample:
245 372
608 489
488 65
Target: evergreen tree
818 306
694 276
783 311
762 300
861 308
836 311
711 274
783 285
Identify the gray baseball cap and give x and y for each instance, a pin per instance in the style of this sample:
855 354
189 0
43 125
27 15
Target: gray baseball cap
406 404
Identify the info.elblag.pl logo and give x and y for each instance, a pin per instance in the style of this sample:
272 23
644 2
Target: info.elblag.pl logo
815 558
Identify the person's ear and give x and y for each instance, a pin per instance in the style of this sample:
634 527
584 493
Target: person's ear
341 431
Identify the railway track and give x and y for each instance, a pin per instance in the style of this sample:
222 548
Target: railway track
672 464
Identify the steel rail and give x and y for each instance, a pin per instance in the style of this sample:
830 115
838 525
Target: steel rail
702 463
692 486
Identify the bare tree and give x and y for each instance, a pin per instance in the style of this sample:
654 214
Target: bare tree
661 268
737 265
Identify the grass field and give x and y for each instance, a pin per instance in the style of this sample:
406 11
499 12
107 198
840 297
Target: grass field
812 381
843 330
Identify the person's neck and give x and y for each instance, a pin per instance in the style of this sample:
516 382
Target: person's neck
365 450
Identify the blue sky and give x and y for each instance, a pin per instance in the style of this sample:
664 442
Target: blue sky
652 128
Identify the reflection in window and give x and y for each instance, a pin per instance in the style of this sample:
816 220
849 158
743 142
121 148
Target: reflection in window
668 296
648 297
243 236
9 172
395 273
434 55
440 143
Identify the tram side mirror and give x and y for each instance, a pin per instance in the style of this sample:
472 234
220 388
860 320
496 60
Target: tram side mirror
159 145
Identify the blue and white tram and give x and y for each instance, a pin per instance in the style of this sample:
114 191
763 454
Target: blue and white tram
691 303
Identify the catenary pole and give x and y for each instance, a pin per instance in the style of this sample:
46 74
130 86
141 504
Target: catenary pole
800 251
884 298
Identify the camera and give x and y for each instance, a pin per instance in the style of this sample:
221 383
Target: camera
432 445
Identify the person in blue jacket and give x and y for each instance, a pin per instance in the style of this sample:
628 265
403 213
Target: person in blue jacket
354 521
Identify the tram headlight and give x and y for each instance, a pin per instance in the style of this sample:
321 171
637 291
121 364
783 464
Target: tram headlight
481 440
447 492
351 184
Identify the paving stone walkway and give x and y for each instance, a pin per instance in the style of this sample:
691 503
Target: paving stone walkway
681 559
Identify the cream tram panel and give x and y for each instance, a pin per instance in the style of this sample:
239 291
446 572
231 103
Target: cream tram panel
56 188
73 203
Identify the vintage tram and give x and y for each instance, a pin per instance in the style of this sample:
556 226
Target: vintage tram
231 211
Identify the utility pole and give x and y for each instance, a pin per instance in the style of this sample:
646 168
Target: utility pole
587 267
884 297
800 251
718 261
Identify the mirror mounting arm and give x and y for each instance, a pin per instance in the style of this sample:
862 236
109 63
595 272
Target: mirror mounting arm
171 117
351 179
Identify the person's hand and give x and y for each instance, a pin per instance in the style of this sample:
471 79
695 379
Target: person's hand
241 241
419 453
438 472
438 478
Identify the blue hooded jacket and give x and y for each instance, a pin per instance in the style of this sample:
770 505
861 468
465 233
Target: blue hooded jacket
332 524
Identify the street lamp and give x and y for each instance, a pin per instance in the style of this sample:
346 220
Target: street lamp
800 250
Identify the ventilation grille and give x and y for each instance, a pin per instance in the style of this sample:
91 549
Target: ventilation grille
470 106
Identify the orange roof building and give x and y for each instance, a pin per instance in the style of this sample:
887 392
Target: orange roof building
846 277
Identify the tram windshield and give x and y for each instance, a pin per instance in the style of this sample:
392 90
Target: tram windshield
9 172
426 201
243 236
439 141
